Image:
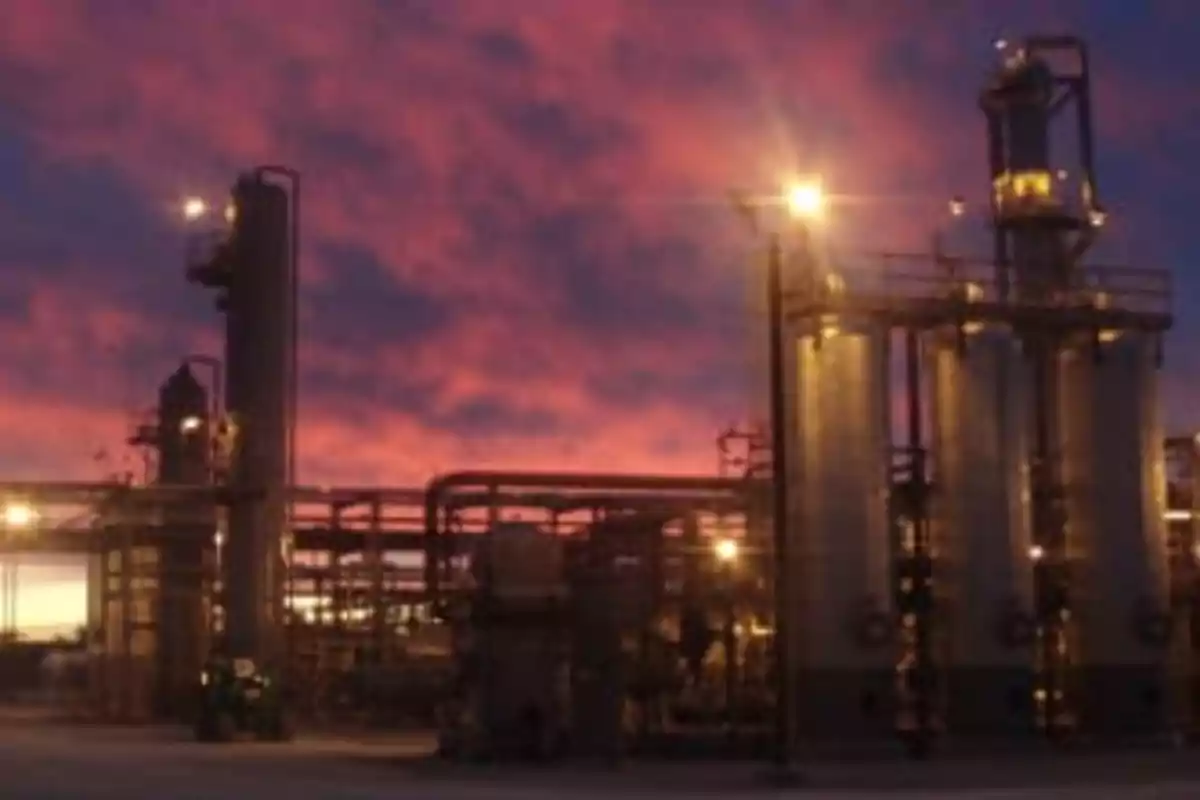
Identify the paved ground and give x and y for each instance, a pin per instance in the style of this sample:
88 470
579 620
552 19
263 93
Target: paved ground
42 760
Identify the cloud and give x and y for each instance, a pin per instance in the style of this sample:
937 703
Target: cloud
518 250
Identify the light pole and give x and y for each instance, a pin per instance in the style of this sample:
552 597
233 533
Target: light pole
804 202
785 689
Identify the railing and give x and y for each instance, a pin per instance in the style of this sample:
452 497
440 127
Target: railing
896 280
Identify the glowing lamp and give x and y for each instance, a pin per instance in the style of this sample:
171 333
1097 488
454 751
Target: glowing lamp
194 208
805 200
726 550
20 515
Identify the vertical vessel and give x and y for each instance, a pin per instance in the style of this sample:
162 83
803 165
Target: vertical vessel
259 346
839 525
183 447
980 528
1113 470
253 271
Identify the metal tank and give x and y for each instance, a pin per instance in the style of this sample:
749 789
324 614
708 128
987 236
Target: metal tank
260 346
981 529
1114 468
181 627
840 559
512 666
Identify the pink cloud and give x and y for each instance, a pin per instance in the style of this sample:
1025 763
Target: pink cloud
431 138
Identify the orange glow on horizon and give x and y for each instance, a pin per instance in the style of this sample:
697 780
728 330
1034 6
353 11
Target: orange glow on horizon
51 600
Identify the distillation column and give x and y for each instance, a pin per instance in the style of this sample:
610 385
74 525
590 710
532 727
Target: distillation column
839 525
1095 456
187 547
259 355
253 271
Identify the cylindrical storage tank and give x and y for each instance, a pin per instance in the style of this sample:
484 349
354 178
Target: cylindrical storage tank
1113 471
839 526
980 528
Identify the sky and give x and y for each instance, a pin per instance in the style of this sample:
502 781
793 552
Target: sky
517 246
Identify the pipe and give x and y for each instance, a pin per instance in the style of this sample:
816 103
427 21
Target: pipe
567 500
91 492
437 488
616 483
489 481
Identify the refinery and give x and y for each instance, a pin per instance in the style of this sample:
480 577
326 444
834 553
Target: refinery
1015 560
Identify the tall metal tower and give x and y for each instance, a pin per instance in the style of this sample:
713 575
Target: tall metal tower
253 272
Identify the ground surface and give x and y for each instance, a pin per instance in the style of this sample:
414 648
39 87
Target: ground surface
43 760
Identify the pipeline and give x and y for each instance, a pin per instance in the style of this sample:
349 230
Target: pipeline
691 487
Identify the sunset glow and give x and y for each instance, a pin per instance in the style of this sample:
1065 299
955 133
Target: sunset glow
518 250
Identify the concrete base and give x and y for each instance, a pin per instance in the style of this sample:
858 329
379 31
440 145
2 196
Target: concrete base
1122 702
846 705
989 701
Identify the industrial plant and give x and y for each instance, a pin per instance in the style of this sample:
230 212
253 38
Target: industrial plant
964 522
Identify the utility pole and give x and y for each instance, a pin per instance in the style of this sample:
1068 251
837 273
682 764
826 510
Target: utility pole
785 694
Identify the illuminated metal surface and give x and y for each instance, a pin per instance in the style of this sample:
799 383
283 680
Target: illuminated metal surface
841 440
981 511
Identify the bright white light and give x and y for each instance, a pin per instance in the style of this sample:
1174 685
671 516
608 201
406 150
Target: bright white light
805 199
20 515
958 206
190 424
194 208
726 550
1037 552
